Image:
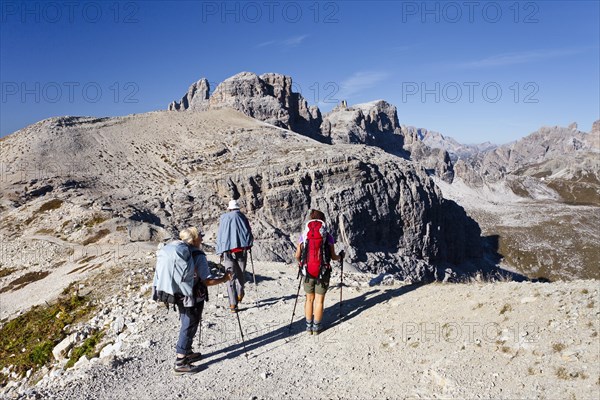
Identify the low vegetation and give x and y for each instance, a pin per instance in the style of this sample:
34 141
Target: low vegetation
94 238
96 219
6 271
51 205
26 342
25 280
88 348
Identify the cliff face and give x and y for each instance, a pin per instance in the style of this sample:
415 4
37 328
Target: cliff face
268 97
143 177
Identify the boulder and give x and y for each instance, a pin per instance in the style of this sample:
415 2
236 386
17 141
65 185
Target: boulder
59 351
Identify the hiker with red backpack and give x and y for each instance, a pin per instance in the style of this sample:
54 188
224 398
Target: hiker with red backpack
314 252
234 241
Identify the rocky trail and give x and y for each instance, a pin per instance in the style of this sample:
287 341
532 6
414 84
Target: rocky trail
502 340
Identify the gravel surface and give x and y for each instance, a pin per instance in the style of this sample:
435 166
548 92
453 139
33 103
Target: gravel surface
455 341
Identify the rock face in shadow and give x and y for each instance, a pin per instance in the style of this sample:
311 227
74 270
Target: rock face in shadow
175 169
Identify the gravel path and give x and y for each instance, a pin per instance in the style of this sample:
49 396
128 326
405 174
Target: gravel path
500 341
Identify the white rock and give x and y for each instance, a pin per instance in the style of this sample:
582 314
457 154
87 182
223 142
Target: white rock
529 299
118 325
107 351
64 345
82 362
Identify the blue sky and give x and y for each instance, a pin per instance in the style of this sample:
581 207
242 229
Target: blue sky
477 71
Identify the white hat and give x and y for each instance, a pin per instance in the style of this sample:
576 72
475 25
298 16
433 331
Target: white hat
233 205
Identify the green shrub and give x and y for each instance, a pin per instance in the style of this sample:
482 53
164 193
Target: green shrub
26 342
51 205
88 348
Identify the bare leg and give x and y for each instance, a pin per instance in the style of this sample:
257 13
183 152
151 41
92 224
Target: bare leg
319 301
308 306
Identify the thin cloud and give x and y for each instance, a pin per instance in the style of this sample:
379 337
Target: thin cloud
500 60
263 44
360 81
289 42
295 41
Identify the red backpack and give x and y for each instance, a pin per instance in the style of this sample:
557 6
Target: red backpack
316 253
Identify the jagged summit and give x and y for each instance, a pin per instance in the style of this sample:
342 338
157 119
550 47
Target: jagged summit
269 98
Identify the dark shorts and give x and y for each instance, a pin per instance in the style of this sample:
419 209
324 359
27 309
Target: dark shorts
311 286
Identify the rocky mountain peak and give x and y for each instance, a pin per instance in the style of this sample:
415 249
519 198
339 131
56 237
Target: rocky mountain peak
268 97
371 123
196 97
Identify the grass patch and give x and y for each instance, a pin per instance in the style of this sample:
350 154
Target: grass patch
6 271
88 348
95 220
99 235
44 231
506 308
51 205
26 342
558 347
561 373
25 280
584 291
591 304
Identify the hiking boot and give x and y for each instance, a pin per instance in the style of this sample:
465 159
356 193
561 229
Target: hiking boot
193 357
233 309
182 366
309 328
316 329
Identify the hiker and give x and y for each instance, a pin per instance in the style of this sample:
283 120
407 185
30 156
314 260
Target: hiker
234 240
314 252
181 278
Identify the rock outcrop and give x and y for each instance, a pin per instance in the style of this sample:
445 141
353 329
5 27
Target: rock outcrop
268 97
374 123
553 163
196 97
548 143
387 214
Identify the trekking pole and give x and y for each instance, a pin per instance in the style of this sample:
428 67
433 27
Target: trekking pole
242 333
341 284
296 301
252 262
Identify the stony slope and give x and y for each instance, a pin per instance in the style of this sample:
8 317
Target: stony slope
81 193
562 162
453 341
538 238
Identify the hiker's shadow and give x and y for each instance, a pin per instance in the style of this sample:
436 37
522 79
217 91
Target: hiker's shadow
259 278
351 308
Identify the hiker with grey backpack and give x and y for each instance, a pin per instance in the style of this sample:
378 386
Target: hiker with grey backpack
181 279
314 253
234 242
